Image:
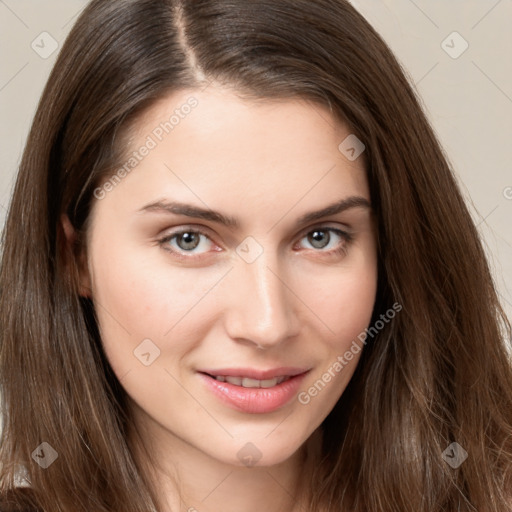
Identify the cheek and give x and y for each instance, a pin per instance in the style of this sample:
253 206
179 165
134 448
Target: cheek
345 308
139 298
343 300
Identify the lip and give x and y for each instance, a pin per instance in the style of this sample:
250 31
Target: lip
255 400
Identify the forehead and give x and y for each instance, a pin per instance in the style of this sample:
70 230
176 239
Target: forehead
214 147
215 109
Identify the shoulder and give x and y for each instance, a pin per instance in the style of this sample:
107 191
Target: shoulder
19 499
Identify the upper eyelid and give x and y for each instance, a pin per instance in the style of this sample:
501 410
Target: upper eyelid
325 225
205 230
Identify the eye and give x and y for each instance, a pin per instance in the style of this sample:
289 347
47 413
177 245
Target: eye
329 240
186 241
183 243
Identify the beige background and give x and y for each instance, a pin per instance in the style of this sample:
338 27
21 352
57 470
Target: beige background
468 98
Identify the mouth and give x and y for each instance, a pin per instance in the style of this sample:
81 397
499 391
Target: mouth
247 382
253 391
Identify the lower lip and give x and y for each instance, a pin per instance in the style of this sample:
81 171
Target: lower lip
255 400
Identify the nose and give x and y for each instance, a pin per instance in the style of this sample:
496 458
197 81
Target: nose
261 311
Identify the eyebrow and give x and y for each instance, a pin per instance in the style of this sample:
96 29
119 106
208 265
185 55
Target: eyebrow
189 210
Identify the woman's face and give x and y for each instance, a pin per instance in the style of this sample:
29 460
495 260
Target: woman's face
228 308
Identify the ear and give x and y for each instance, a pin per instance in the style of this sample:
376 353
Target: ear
78 253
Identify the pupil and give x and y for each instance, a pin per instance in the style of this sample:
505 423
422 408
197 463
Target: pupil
190 240
316 238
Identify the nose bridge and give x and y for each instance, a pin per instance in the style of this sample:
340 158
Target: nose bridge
262 311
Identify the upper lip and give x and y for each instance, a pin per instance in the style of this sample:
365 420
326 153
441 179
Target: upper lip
252 373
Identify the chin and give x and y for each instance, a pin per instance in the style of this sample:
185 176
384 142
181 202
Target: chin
261 452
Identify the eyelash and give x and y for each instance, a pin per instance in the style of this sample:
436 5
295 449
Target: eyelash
346 237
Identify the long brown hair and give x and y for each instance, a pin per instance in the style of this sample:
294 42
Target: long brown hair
439 373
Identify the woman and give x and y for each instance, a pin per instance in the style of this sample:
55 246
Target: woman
238 274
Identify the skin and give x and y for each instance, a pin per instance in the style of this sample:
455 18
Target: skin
266 163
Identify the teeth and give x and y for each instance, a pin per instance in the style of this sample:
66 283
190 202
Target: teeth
269 383
246 382
252 383
237 381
